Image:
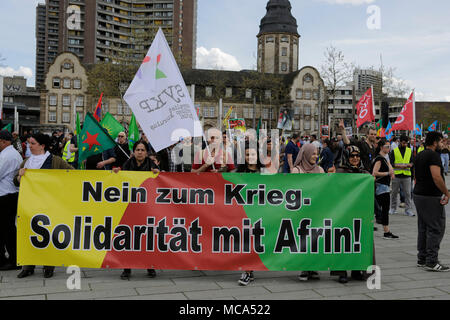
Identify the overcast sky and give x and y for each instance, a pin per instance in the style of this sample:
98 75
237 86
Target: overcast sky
414 37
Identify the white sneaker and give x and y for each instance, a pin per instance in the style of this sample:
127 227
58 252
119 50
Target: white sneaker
410 213
391 212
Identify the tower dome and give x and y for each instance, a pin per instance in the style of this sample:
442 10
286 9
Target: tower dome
278 18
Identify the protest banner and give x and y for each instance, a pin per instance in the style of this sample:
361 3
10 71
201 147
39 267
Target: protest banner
210 221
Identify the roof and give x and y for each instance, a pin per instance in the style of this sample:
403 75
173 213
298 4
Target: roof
278 18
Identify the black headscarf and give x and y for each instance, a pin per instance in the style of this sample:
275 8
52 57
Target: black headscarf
347 166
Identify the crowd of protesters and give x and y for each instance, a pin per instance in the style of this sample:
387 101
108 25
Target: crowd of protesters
396 166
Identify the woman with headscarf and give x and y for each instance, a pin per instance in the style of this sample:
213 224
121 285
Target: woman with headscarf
139 162
306 162
351 163
40 158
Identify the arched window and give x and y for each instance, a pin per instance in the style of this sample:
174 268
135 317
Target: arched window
308 78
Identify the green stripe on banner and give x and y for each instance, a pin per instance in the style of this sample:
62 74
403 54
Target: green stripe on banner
311 221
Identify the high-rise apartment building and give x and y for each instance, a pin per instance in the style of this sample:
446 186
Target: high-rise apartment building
40 42
113 30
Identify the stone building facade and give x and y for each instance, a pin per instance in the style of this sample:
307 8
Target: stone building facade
278 39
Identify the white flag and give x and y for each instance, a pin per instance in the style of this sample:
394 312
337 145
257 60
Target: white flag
160 100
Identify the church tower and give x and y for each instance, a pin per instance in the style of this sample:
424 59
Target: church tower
278 39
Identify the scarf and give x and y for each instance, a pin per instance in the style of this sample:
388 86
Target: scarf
36 162
302 161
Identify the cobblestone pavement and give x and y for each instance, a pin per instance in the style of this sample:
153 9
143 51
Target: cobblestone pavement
401 279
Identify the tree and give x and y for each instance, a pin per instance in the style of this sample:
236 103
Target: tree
335 71
393 86
434 113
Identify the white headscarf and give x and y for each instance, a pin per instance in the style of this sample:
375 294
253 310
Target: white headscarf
36 162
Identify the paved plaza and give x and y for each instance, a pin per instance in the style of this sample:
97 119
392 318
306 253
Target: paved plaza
401 279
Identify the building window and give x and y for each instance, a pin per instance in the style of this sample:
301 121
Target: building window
248 113
66 83
299 94
268 94
296 110
52 116
127 110
296 125
67 65
285 39
56 82
284 52
119 108
77 84
53 100
66 100
208 91
229 92
307 110
248 93
265 113
209 112
308 95
66 117
105 106
79 102
316 95
307 125
284 66
270 39
308 78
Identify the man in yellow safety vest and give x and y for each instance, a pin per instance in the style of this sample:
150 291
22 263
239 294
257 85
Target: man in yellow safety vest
401 160
67 154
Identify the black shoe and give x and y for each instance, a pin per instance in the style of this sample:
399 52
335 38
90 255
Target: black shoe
25 273
151 273
437 267
126 274
245 279
343 279
314 275
421 264
48 273
389 236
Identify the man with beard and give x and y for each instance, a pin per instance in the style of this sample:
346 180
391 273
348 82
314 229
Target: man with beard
430 197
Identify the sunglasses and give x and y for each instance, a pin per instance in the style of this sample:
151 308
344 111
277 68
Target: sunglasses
354 156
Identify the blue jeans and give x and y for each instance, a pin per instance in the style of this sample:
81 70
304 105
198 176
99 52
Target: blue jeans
444 158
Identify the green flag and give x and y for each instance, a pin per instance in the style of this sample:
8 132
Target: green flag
112 125
258 127
94 139
133 133
8 127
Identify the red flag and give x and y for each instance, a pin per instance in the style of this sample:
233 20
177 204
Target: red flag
98 109
406 119
364 109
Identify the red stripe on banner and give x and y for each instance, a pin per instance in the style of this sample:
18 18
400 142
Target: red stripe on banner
217 215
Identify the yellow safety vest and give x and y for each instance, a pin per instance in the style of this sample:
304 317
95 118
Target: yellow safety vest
421 149
406 159
66 152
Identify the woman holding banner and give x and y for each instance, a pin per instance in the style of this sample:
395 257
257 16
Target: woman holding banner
139 162
40 158
306 162
252 165
351 163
